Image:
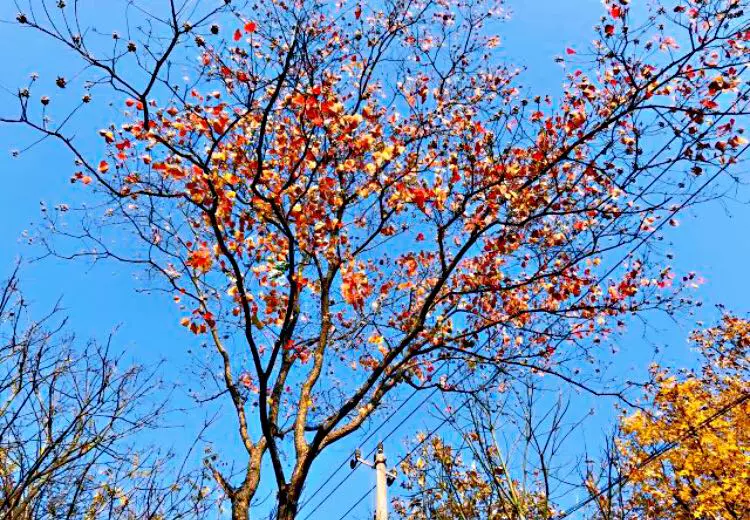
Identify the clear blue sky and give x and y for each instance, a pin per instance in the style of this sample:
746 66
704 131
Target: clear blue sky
712 238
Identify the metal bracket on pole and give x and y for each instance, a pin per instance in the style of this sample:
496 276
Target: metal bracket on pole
357 459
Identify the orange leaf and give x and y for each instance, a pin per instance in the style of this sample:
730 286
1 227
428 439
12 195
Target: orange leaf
299 99
200 259
103 166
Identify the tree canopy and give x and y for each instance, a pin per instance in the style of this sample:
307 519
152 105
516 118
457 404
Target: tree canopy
345 199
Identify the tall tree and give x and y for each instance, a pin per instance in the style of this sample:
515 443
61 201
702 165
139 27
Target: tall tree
349 198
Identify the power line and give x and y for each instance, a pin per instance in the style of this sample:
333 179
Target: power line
383 423
343 463
403 403
656 455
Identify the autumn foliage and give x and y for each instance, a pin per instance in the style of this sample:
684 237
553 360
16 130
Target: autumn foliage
346 199
706 474
443 485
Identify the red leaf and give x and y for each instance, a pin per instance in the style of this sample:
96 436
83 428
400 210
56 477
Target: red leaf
709 104
103 166
358 12
570 51
250 27
200 259
615 12
237 35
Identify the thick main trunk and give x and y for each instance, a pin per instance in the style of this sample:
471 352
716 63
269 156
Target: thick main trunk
287 512
287 508
288 504
240 510
241 502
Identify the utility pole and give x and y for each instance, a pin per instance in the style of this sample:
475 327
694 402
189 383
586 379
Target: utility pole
383 479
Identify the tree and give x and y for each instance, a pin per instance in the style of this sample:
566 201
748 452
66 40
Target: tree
705 414
501 465
69 424
450 488
348 198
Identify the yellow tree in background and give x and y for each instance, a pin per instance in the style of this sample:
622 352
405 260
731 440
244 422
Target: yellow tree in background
706 474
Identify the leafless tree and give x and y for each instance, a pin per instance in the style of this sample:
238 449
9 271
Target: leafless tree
70 420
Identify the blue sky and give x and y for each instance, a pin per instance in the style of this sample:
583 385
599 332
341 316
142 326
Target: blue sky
710 240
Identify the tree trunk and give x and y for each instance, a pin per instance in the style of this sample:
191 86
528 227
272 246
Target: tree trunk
288 503
240 510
